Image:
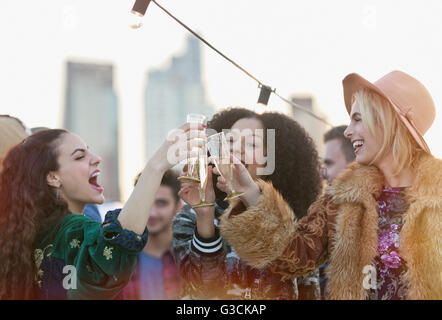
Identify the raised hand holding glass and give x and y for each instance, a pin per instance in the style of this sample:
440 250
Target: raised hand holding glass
192 174
220 153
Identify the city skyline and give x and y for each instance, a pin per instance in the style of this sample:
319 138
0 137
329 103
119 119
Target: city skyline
171 93
91 111
314 127
296 47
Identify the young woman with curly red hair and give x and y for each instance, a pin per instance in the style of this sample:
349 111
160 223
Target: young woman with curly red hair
48 248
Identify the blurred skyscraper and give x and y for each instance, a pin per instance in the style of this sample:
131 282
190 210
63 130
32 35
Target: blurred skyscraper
91 111
171 94
315 128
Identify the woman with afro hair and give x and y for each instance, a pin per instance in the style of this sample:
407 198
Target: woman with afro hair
209 265
379 224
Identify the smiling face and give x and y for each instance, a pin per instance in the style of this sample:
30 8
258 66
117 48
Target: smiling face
163 211
76 178
248 143
366 146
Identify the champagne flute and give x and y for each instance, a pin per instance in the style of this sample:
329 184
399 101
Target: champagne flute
203 171
192 174
220 152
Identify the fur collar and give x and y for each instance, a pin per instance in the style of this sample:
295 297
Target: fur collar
358 182
355 242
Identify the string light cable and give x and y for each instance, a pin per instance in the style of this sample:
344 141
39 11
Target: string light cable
139 9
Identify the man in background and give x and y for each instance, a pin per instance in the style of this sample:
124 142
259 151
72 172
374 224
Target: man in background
156 276
339 153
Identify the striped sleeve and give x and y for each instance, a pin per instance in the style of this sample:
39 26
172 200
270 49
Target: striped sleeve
207 246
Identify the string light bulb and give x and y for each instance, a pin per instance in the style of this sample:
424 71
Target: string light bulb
140 8
137 13
264 95
263 99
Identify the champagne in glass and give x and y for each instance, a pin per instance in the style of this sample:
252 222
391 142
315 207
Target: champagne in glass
192 174
220 151
203 171
225 168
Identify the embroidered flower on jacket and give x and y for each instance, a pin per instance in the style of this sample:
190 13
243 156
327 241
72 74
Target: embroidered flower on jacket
108 252
38 257
75 243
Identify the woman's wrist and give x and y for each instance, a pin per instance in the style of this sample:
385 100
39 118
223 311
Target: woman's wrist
135 212
205 222
160 161
251 195
156 166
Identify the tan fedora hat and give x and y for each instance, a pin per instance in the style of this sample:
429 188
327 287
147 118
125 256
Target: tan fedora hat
409 98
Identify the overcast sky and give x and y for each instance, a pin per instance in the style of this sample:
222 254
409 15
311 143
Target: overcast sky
293 46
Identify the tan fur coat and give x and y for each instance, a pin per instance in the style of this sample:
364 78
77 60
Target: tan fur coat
341 228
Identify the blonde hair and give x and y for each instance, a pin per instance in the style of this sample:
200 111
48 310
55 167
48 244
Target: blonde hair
11 133
380 118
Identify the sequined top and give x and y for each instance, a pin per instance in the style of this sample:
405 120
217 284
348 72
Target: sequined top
390 267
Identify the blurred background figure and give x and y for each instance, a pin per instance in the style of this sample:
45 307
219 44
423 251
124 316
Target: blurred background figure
92 211
12 131
37 129
156 276
338 153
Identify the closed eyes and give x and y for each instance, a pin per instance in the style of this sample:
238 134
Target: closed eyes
79 150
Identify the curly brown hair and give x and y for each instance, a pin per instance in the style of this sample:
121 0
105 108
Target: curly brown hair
27 206
296 174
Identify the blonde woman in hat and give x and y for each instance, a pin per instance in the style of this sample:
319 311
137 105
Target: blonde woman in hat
379 225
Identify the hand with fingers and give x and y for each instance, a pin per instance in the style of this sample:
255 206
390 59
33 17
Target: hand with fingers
204 215
135 213
190 191
179 145
241 181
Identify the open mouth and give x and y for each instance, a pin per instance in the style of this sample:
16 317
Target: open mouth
357 145
93 181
